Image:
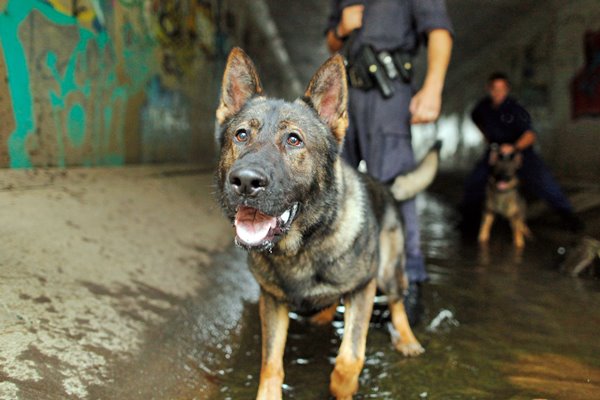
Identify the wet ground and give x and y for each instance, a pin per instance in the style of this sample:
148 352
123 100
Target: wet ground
122 284
498 325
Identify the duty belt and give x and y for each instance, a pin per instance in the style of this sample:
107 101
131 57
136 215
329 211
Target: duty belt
371 69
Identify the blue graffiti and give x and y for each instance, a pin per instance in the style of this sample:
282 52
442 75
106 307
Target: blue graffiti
87 110
18 83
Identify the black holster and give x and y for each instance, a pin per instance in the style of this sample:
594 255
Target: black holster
369 69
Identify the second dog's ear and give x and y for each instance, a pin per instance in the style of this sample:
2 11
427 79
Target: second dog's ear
240 84
327 92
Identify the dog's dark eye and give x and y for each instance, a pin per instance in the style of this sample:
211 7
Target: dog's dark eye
294 140
241 135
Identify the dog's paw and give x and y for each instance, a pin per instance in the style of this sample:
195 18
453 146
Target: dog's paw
409 349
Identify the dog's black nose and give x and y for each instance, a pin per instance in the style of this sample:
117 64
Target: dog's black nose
248 181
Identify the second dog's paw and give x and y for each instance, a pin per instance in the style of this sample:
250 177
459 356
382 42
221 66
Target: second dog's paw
409 349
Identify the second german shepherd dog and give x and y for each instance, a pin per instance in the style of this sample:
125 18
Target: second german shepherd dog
503 198
317 231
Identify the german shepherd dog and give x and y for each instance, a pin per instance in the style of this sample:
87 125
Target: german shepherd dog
503 198
317 231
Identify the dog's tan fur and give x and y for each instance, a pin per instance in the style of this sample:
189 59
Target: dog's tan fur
506 202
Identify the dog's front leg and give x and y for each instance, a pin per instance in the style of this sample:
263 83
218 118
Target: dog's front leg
403 337
274 325
519 228
486 227
351 357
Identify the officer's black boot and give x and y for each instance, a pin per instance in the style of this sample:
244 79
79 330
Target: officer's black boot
413 303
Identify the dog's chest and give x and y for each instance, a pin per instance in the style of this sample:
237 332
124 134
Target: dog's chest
307 281
504 203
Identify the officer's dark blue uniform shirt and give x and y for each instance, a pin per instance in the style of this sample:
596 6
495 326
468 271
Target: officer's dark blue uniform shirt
395 24
504 124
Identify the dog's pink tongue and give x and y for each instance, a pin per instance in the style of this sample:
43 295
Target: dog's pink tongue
252 226
502 185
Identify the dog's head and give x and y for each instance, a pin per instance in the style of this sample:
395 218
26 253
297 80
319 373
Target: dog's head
504 167
276 156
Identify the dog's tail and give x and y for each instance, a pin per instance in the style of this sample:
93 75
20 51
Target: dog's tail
407 186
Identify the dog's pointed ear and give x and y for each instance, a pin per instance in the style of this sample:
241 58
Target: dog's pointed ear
240 84
327 93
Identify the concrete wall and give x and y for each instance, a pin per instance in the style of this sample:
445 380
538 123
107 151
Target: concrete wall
542 52
575 143
92 82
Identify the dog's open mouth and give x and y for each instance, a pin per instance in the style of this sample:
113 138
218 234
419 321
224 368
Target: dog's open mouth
503 185
255 229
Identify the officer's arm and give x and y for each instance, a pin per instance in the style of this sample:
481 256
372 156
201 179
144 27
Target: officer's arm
333 43
523 122
476 118
439 49
427 103
480 127
351 20
526 140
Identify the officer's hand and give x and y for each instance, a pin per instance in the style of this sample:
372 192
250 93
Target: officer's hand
425 106
351 19
507 148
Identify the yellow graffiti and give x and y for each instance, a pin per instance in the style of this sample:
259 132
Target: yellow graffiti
87 12
185 31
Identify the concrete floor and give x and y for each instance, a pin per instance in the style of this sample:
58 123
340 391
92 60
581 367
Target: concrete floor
106 285
90 262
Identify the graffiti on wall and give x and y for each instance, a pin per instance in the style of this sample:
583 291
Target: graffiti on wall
585 87
185 31
88 13
76 69
62 86
6 113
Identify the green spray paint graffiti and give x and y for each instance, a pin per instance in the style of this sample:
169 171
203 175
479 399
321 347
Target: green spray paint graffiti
19 85
88 110
86 98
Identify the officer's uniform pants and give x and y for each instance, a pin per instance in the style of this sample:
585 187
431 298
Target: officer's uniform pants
534 175
379 134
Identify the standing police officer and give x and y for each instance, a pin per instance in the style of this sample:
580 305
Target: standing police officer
506 123
379 39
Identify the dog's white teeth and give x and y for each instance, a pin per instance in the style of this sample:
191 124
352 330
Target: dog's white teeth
285 216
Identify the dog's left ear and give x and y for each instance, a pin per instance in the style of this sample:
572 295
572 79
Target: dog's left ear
240 84
327 93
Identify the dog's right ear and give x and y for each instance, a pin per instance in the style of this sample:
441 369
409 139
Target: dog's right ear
327 93
240 84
